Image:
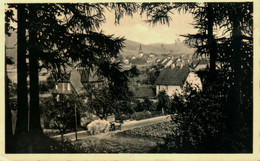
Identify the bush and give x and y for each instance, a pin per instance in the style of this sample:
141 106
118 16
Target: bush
206 120
199 119
146 104
141 115
59 115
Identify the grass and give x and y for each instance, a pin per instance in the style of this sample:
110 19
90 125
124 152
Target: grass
40 143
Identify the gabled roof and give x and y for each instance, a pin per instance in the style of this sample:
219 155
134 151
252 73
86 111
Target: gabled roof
75 80
200 62
174 76
88 75
144 92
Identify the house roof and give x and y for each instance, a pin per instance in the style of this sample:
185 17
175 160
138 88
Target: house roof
200 62
144 92
174 76
76 81
88 75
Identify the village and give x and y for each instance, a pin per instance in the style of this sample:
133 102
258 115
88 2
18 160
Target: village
157 73
129 77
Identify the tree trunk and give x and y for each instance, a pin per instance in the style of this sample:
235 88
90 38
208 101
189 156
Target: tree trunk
34 77
236 66
22 98
211 40
8 120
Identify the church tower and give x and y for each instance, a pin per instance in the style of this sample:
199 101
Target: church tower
140 53
140 49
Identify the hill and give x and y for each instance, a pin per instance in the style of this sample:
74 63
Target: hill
132 48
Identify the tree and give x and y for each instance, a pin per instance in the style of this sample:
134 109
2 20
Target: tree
59 35
9 146
77 29
61 113
22 116
240 50
163 102
152 76
205 18
232 50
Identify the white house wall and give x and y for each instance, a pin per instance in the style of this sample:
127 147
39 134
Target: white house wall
169 89
194 80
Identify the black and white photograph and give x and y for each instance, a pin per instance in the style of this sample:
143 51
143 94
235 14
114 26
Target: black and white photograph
129 78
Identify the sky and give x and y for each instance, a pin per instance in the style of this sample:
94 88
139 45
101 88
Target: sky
135 29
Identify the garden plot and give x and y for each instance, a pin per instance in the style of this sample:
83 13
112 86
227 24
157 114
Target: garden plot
138 140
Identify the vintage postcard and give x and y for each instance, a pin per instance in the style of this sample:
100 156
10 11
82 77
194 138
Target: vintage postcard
135 80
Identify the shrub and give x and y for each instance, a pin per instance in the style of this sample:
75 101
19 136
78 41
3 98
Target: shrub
204 121
60 115
141 115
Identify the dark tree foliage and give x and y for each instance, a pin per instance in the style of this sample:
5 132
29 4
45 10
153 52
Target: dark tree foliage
230 92
200 118
152 76
59 35
64 33
204 41
145 105
163 102
60 112
113 97
161 12
8 92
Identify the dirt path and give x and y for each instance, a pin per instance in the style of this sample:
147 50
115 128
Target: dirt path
81 135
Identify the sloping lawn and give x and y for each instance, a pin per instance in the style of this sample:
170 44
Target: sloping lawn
138 140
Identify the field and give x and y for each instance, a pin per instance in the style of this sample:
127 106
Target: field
138 140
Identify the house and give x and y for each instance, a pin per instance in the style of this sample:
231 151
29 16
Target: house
157 60
152 55
200 64
78 81
90 79
173 80
163 61
168 63
126 61
133 57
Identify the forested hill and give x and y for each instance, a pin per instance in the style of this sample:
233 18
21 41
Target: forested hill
132 48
